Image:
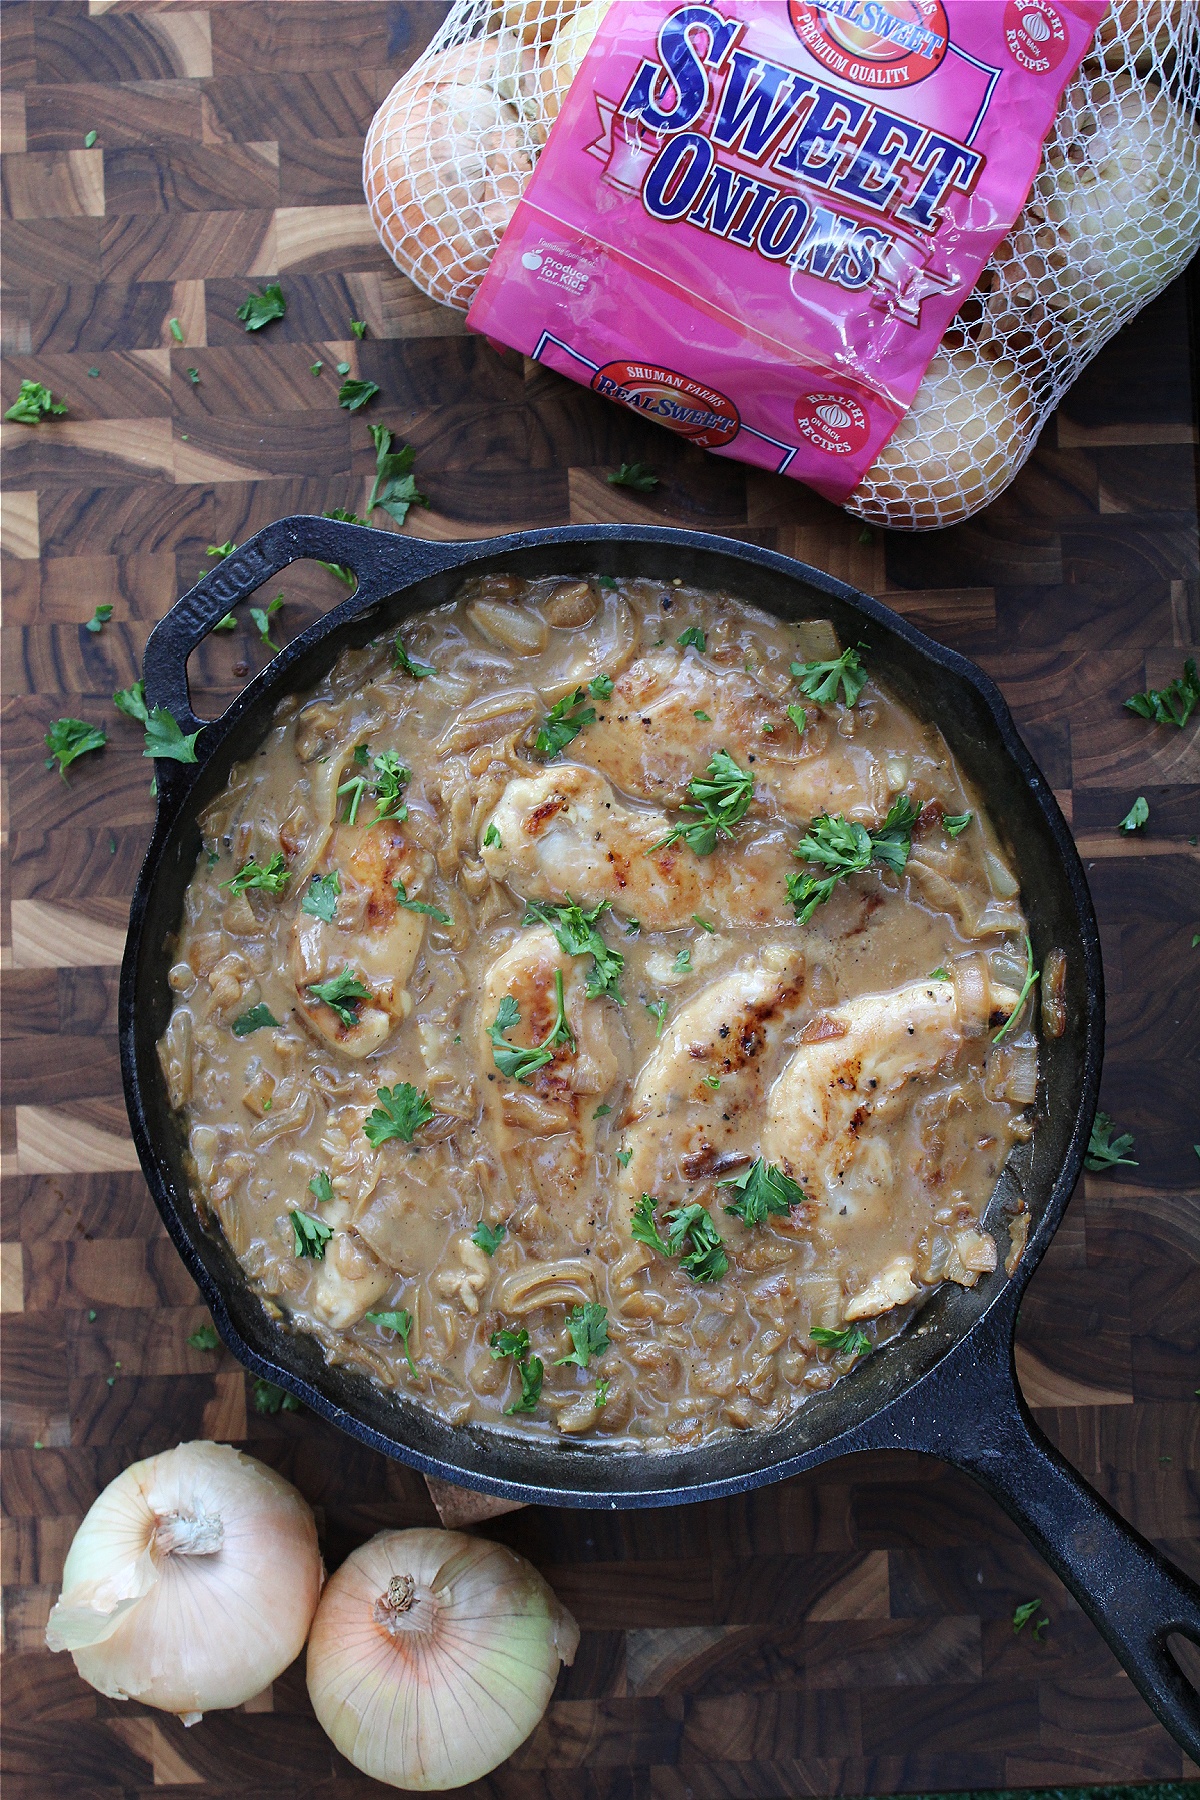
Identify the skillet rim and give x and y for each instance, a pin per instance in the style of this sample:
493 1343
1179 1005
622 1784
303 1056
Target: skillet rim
895 1420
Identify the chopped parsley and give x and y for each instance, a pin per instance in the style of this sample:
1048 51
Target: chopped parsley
262 308
401 1323
939 974
321 1187
763 1190
519 1063
69 738
847 848
132 702
602 1388
624 1157
274 878
1173 705
1024 1613
577 935
354 395
257 1019
99 619
820 680
1105 1151
1137 815
492 839
418 906
565 720
359 327
848 1341
400 1114
705 1258
713 1082
530 1368
588 1329
176 330
704 924
164 738
488 1237
395 489
261 615
343 993
657 1010
721 797
693 637
606 582
633 475
704 718
193 376
798 716
315 368
33 404
408 664
269 1397
310 1235
204 1338
953 823
1031 975
321 900
600 686
89 140
343 368
602 1112
391 779
683 962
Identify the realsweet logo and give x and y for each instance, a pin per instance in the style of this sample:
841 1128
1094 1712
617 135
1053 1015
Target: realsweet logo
874 43
698 413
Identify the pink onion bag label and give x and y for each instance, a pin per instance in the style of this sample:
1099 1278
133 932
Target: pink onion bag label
753 221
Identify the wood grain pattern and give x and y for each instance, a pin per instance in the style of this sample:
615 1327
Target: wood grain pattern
846 1632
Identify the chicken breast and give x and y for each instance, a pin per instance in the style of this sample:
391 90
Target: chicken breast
566 833
697 1108
370 934
670 712
542 1128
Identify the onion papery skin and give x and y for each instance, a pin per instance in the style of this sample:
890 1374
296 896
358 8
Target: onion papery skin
461 1679
190 1633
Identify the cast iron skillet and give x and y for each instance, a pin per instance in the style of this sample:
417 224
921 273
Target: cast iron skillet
947 1386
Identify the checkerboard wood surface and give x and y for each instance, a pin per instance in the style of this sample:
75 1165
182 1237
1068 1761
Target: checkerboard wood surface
845 1632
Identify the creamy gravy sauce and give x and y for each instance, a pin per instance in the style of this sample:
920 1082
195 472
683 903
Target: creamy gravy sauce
853 1053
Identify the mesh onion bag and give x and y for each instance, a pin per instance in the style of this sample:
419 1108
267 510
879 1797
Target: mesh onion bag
1113 215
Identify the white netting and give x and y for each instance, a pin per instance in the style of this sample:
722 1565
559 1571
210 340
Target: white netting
1113 216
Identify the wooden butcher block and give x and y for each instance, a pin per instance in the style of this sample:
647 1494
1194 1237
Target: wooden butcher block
846 1632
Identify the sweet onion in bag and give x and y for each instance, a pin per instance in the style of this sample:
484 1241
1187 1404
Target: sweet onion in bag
1112 215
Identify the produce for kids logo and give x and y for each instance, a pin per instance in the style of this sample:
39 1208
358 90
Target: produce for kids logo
698 413
874 43
832 422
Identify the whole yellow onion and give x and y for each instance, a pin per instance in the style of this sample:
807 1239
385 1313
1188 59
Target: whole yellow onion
433 1655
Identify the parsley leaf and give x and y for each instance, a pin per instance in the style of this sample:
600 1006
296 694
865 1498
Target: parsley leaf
391 778
89 140
400 1114
602 1388
683 962
704 718
721 796
69 738
257 1019
33 404
99 619
354 395
164 738
359 327
798 716
132 702
602 1112
953 823
588 1330
706 1259
193 376
892 843
764 1190
606 582
623 1157
176 330
643 1228
658 1010
1024 1613
693 636
634 475
204 1338
310 1235
408 664
321 900
492 839
343 994
849 1341
418 906
1173 705
565 720
261 616
576 933
1137 815
704 924
939 974
269 1397
260 309
807 892
401 1323
274 878
713 1082
1105 1151
320 1187
1031 975
820 680
847 848
395 488
519 1063
529 1368
488 1237
600 686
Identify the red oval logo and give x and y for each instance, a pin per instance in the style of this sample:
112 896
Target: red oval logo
698 413
1034 35
835 423
874 43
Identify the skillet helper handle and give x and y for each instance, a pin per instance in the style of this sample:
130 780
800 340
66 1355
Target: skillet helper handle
382 561
1132 1594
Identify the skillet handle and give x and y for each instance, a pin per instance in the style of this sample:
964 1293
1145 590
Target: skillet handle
382 561
1132 1594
